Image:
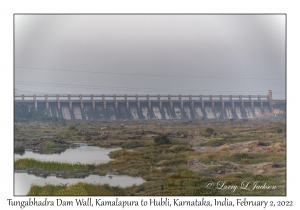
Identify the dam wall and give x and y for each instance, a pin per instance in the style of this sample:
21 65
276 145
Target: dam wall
148 107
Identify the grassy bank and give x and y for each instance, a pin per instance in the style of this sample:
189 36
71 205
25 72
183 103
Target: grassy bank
193 155
50 165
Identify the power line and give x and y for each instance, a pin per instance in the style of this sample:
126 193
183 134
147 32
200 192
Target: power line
146 75
121 88
93 87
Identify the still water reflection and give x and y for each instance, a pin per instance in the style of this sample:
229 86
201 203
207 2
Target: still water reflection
23 181
86 154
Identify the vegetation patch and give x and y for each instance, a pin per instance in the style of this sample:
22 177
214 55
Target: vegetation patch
209 131
164 153
19 149
162 139
22 113
50 165
216 142
254 158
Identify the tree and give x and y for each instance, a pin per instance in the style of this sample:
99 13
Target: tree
22 113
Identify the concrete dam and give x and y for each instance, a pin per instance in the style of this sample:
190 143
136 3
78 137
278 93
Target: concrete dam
148 107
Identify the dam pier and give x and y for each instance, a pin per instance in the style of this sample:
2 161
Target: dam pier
147 107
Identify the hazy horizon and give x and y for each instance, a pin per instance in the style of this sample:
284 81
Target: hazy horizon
150 54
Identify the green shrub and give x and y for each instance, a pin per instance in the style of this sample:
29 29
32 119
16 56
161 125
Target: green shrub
72 127
19 149
132 144
162 139
242 156
209 131
179 148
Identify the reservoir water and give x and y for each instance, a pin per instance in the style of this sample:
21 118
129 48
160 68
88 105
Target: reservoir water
85 154
23 181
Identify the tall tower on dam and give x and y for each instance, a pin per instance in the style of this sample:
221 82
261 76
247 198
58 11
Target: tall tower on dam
147 107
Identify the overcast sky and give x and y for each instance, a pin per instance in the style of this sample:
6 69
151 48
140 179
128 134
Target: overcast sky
150 54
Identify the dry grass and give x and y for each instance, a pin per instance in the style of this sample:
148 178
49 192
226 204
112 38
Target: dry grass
251 150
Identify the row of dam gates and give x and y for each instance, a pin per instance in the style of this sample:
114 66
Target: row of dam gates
103 107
